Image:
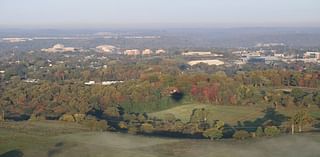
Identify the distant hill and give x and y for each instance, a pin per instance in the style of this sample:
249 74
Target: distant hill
168 38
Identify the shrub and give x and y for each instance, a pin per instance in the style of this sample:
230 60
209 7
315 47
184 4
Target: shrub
146 128
129 117
123 125
35 117
259 132
112 112
67 118
141 118
96 125
169 117
101 125
178 126
271 131
78 117
213 133
90 117
241 135
133 130
190 128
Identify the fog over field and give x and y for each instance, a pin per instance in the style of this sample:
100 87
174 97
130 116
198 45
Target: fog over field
56 139
112 145
106 144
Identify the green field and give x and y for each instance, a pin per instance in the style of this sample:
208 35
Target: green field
229 114
56 139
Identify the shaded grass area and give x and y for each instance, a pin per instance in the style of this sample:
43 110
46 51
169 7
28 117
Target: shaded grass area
72 140
29 144
34 138
54 138
82 143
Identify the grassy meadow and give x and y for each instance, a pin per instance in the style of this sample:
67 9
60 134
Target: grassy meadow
229 114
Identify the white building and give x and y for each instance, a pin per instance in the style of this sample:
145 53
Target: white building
279 55
238 52
31 80
209 62
196 53
310 60
251 54
312 55
106 48
217 55
132 52
160 51
90 83
239 62
147 52
110 82
59 48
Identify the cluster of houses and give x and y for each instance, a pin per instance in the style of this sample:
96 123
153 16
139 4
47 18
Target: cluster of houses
107 49
129 52
272 56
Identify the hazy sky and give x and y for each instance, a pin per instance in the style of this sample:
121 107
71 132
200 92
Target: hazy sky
158 13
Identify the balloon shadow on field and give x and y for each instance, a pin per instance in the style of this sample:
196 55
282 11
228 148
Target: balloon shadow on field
13 153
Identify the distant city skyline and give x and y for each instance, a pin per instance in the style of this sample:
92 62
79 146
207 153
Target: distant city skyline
158 13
